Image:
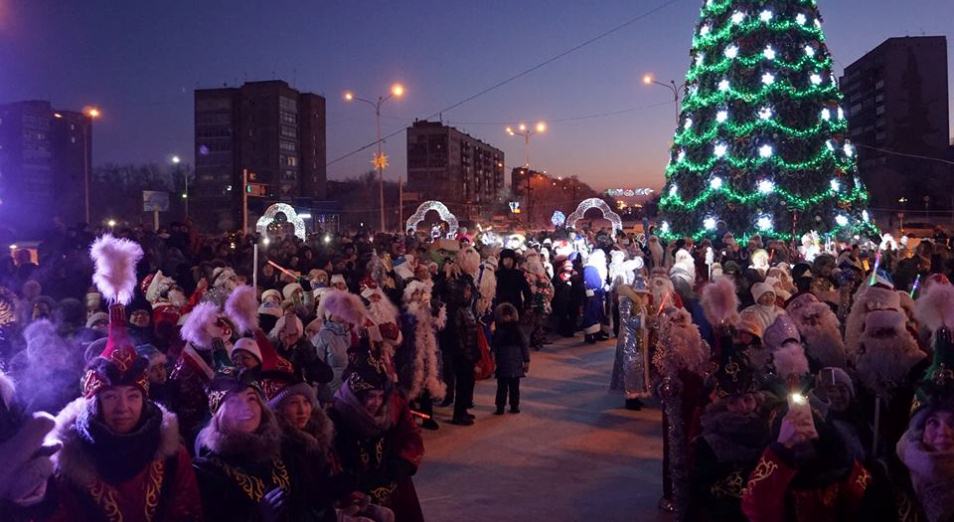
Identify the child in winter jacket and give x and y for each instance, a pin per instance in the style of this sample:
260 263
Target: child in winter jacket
512 357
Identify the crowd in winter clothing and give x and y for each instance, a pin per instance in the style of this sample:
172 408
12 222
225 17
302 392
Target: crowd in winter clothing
168 377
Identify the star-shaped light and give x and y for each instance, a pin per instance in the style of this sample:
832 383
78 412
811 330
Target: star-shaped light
722 115
709 223
826 114
766 151
768 78
380 161
764 223
731 52
766 186
800 19
724 85
765 113
766 16
720 150
816 79
715 183
738 17
841 220
809 51
769 53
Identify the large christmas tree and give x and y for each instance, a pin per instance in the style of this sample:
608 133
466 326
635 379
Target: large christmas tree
761 143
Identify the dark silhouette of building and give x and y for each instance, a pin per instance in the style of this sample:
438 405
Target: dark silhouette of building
455 168
45 155
268 129
896 99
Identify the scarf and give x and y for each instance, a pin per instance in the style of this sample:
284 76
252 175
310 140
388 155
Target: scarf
734 437
357 417
932 473
119 457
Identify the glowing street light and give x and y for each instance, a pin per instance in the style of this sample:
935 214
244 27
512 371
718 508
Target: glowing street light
111 223
380 160
649 79
176 160
525 132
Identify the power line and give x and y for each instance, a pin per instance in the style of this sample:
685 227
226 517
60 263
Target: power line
571 118
904 154
517 76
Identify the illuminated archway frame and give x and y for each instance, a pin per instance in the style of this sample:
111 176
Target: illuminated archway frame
442 211
587 204
261 226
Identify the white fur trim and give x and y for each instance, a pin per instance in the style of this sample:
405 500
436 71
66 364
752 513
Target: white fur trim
115 261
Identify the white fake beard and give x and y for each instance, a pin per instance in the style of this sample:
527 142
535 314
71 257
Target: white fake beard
177 298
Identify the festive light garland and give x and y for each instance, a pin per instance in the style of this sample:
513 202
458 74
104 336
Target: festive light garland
736 130
587 204
792 200
753 163
714 8
734 31
698 101
805 62
261 226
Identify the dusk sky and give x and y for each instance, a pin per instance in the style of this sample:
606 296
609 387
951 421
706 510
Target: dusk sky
140 62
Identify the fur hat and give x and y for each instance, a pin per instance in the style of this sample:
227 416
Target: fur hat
935 308
290 289
735 376
154 286
97 317
366 372
199 325
800 301
789 360
271 292
750 323
343 304
780 332
115 276
840 376
249 345
720 302
760 289
242 309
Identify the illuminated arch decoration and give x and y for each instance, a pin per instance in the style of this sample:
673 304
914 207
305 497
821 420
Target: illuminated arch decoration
261 226
587 204
442 211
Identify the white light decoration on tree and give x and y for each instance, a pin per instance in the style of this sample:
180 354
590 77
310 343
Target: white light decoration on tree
849 150
816 79
597 203
700 58
817 23
768 78
693 90
724 85
826 114
865 216
766 151
765 113
841 220
831 145
664 226
673 190
722 115
715 183
270 215
769 53
720 149
709 223
688 124
442 211
731 52
800 19
809 51
704 30
738 17
764 223
835 185
766 186
841 113
834 80
766 16
681 156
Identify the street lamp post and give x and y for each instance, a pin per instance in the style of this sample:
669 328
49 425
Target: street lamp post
650 80
92 113
380 161
185 180
525 132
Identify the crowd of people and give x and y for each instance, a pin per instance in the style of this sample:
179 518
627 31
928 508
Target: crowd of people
175 376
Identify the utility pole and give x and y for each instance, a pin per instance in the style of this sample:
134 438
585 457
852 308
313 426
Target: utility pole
244 202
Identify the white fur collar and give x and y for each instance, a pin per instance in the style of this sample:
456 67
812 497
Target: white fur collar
73 464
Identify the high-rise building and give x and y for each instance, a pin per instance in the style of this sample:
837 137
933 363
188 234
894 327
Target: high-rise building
45 156
267 129
896 101
455 168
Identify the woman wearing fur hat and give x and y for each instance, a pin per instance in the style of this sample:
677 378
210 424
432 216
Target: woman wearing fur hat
344 314
376 440
308 440
418 361
734 433
927 447
121 457
239 463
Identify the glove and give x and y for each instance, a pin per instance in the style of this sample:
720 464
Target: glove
272 507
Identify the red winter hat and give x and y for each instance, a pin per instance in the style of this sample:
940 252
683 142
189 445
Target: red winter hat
115 276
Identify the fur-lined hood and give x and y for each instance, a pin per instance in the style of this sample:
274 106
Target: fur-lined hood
74 464
262 446
318 436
